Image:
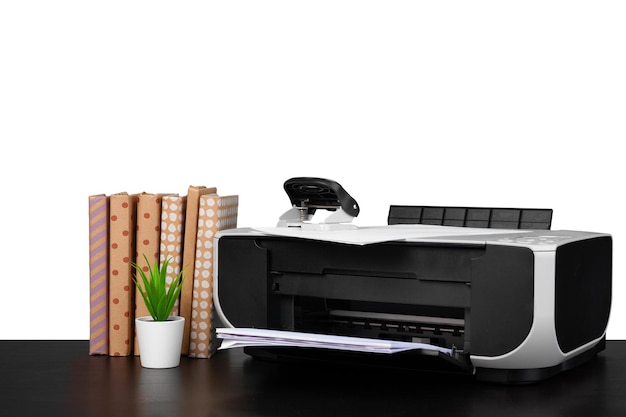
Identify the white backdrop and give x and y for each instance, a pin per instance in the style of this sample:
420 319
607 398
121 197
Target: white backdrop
484 103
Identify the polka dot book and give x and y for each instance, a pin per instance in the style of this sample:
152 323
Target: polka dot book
148 235
189 244
215 214
171 245
122 225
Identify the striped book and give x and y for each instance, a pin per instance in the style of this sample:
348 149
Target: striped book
98 274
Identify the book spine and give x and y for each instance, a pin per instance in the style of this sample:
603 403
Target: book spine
189 253
171 246
121 287
215 214
147 243
98 274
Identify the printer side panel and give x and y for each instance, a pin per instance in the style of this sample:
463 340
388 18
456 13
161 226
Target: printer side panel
242 288
583 291
502 299
572 294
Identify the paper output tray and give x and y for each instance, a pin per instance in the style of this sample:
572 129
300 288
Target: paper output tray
418 359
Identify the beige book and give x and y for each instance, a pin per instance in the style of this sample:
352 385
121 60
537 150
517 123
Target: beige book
215 213
122 226
148 239
189 252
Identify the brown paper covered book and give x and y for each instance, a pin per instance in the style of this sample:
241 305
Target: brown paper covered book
148 240
189 253
98 274
172 232
215 214
122 224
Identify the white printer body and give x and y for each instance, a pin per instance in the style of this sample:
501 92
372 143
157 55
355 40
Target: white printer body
515 306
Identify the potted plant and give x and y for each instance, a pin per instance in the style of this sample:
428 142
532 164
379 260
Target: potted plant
159 335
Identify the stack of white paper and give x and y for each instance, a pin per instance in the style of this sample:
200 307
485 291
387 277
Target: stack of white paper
243 337
379 234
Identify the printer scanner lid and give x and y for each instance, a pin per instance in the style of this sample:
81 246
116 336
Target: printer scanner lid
537 240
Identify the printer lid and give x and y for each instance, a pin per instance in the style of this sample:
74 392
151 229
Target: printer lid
537 240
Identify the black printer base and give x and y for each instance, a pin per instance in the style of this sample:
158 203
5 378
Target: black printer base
418 361
413 361
528 376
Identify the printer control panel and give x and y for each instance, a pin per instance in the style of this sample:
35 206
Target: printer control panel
536 240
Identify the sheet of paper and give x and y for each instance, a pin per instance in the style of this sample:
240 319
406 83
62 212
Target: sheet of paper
378 234
243 337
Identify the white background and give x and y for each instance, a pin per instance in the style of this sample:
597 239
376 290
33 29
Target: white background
501 103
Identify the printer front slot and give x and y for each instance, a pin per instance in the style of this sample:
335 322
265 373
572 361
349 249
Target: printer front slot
408 323
438 331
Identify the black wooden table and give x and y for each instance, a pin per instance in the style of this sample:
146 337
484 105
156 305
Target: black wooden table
59 378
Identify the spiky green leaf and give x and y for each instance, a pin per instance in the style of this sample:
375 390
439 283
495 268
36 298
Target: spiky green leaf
158 297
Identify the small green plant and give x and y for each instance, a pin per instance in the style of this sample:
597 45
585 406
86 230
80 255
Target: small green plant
159 299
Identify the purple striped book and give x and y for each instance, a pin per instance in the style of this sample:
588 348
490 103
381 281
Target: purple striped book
98 274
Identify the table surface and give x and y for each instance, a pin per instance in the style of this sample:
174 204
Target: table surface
60 378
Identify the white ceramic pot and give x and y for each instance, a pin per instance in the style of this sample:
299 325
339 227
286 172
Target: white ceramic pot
160 342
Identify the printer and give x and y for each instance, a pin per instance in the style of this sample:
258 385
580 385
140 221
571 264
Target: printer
511 300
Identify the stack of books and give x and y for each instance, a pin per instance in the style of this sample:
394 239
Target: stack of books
132 228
